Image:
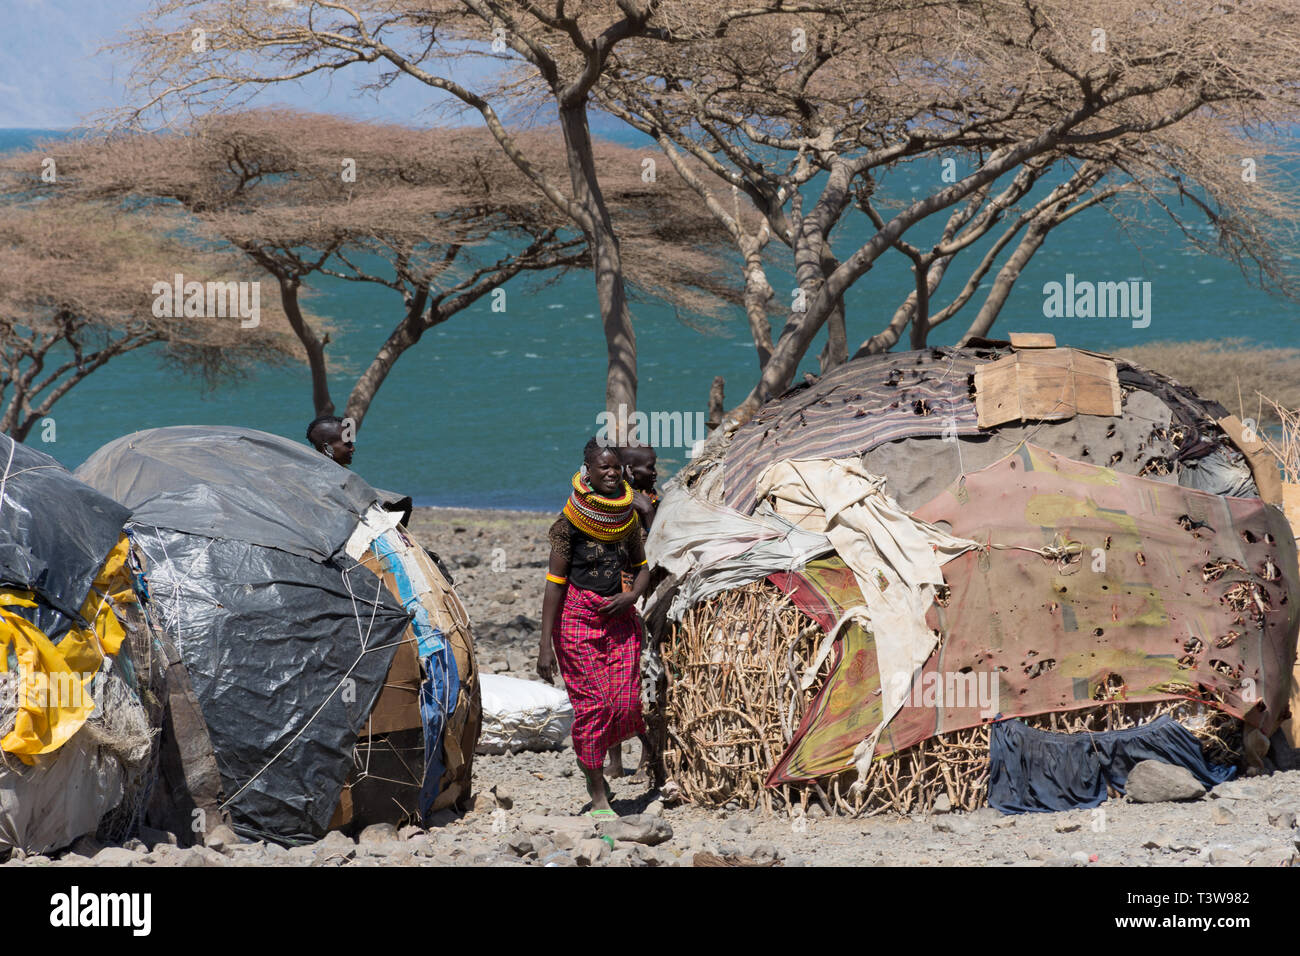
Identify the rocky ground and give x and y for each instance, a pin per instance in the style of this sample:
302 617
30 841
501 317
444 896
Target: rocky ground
526 812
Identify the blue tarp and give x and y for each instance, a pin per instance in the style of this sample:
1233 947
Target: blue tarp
1035 771
441 681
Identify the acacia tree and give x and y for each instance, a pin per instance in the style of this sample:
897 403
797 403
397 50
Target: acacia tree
77 290
806 109
440 217
191 51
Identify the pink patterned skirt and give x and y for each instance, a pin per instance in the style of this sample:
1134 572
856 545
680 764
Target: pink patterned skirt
600 661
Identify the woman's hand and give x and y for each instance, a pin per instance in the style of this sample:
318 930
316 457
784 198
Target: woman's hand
546 663
618 604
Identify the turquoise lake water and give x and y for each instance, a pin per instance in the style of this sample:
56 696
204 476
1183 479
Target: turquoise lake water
492 409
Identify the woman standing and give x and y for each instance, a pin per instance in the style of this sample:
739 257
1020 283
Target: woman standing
590 627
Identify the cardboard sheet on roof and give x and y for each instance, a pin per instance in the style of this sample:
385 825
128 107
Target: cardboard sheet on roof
1045 384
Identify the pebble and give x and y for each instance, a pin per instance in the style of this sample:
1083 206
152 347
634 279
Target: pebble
221 837
1222 816
640 828
378 833
1282 818
117 856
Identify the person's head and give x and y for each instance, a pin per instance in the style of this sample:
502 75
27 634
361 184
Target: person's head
325 434
604 467
639 466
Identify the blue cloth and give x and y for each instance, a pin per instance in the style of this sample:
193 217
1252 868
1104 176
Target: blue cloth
1035 771
440 686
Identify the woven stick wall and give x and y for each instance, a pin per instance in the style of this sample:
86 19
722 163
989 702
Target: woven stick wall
732 705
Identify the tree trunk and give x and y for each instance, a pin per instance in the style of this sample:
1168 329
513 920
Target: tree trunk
1034 237
836 350
716 400
758 296
620 340
406 334
921 320
315 347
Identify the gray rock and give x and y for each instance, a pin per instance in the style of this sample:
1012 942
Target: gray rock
117 856
335 839
636 855
555 824
942 804
378 833
1221 815
466 560
410 832
640 828
951 824
655 809
1281 818
74 859
568 840
1225 856
763 852
558 858
591 852
503 798
1153 781
204 856
1274 856
1067 826
221 837
1079 857
334 853
736 825
521 844
697 842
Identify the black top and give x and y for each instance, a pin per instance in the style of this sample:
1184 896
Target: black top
597 565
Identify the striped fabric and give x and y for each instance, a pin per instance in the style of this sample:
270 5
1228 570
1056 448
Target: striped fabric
600 661
854 408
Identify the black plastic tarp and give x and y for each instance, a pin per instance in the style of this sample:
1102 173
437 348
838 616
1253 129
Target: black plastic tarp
55 533
286 656
238 483
286 640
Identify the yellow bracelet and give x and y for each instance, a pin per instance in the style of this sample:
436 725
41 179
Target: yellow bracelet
556 579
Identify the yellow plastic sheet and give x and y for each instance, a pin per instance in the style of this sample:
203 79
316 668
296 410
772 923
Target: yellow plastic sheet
54 690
